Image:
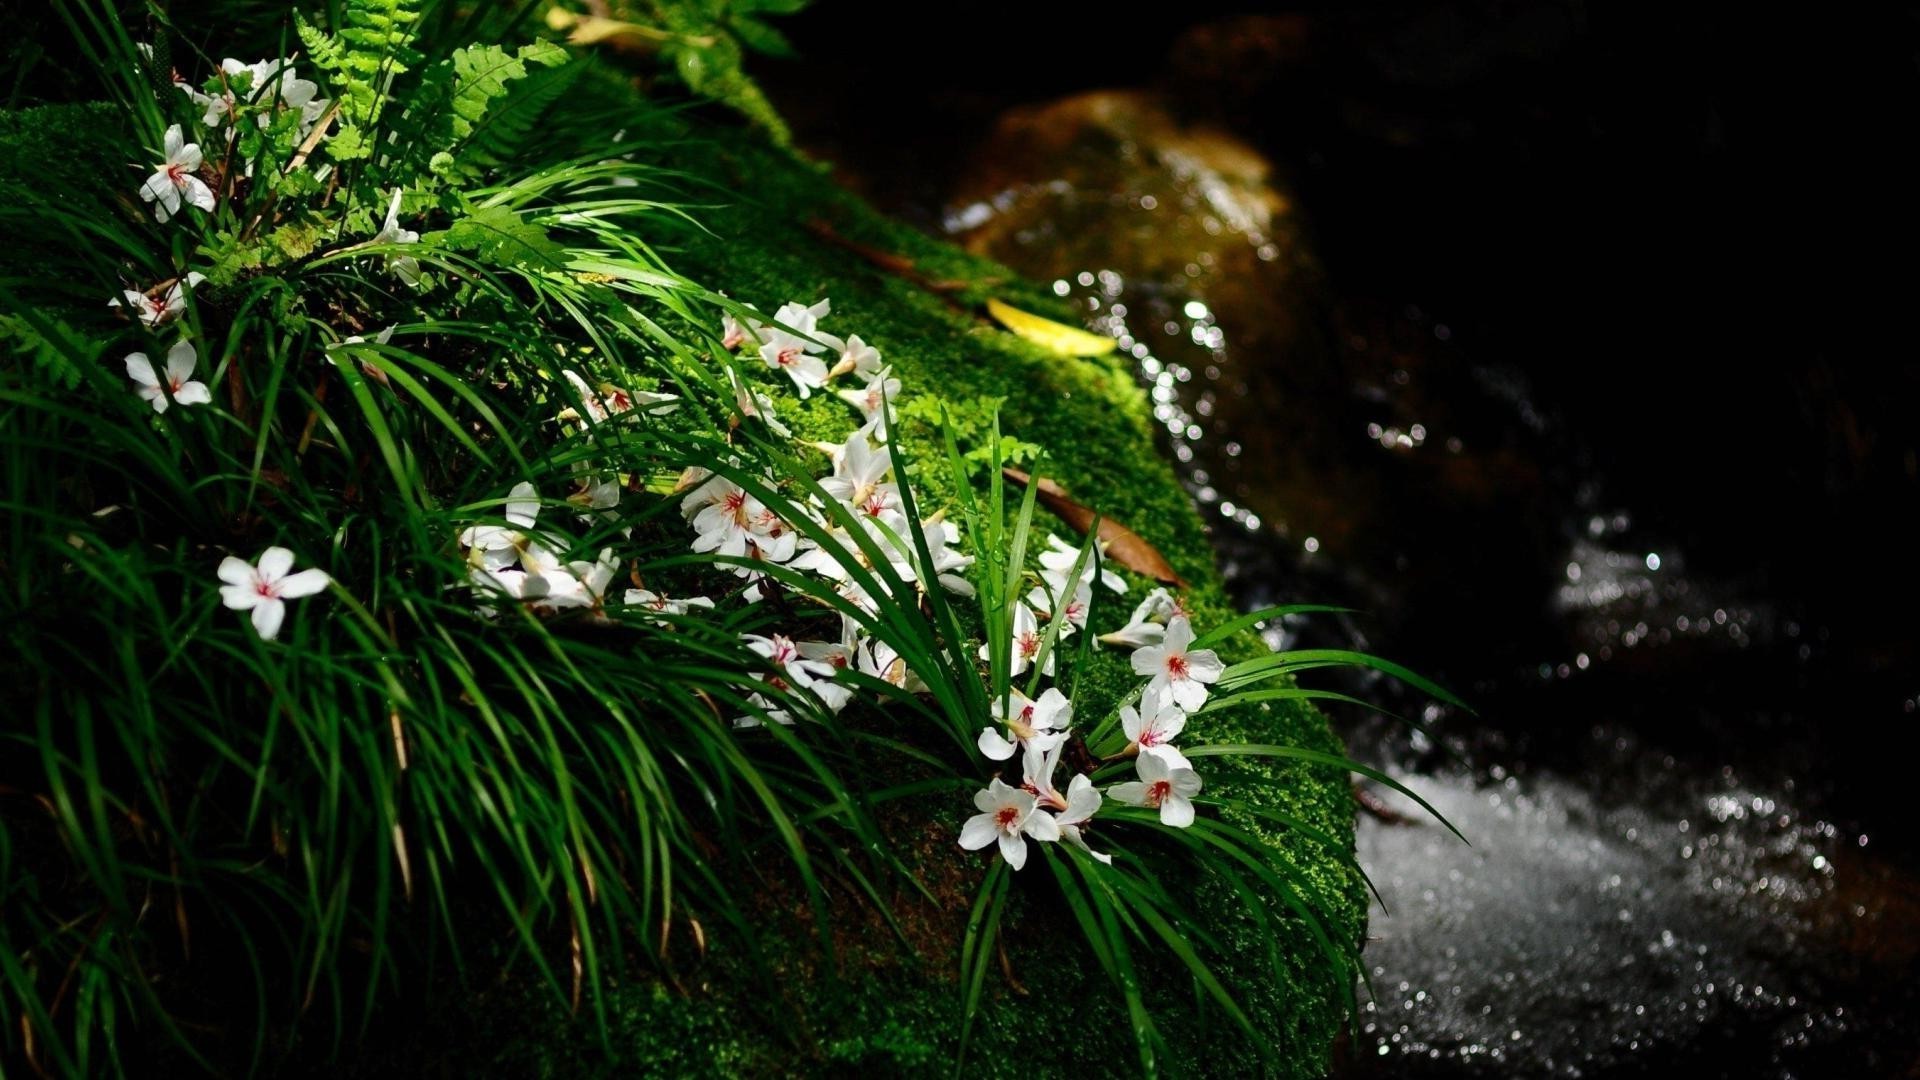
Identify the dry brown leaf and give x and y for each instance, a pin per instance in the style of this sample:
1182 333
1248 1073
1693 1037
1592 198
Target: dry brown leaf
1123 545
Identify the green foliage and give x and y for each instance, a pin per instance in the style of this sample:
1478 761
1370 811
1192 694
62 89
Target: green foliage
57 352
213 848
498 237
363 56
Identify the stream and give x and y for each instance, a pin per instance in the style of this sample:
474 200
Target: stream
1423 342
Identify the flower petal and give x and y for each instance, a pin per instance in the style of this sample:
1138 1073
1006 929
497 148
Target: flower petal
1133 793
274 564
1205 666
1176 811
267 616
1042 826
994 745
240 597
304 583
194 393
1014 850
978 832
235 571
140 369
180 360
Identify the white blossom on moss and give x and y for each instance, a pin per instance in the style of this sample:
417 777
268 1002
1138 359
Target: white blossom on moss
1007 815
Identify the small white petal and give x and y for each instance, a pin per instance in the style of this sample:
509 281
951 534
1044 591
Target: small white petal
1014 850
267 616
304 583
274 564
978 832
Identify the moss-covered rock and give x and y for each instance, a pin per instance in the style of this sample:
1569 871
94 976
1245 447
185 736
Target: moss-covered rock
775 229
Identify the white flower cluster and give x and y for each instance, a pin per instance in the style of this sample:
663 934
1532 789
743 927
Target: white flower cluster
729 520
1038 729
263 88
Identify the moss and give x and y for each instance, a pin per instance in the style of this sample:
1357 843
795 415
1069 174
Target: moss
895 1012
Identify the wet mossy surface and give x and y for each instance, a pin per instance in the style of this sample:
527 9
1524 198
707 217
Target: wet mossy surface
895 1006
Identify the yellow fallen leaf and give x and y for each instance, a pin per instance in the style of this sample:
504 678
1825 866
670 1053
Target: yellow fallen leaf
1063 339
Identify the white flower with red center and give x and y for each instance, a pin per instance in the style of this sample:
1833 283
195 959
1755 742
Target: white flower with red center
160 305
793 355
1161 785
842 655
1152 730
1174 671
873 401
1033 723
805 319
1007 815
1027 640
264 588
661 604
610 400
860 475
781 651
1073 809
173 181
732 522
735 333
176 384
1055 599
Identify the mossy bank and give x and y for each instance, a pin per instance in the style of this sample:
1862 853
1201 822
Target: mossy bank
773 228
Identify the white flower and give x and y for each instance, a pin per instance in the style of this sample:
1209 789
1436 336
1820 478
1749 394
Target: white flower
404 267
1153 731
729 521
1083 801
1147 624
858 357
839 655
162 306
735 333
660 604
1042 723
872 400
1027 640
264 589
804 319
795 672
495 547
173 180
610 400
1175 672
785 352
1078 599
859 477
180 361
787 656
594 578
1060 557
753 403
1008 815
1170 788
880 660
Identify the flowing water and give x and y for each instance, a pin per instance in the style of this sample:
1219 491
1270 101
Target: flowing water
1663 562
